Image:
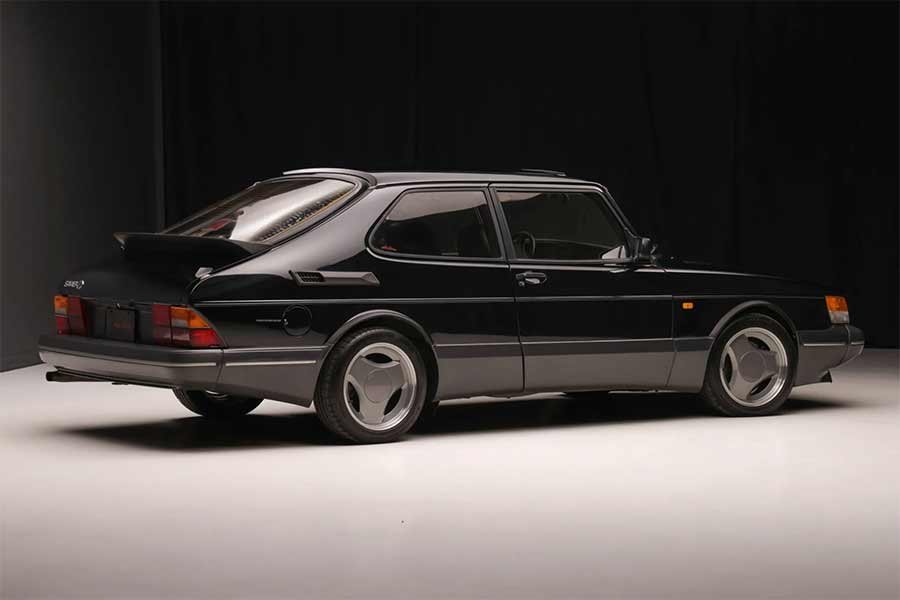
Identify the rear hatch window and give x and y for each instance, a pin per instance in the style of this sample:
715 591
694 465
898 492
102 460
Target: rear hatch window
268 212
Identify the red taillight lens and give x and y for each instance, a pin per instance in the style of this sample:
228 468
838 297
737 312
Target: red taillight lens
182 326
77 318
70 315
162 326
62 325
204 338
161 315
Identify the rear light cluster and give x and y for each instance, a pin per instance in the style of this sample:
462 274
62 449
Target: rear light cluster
181 326
70 315
837 309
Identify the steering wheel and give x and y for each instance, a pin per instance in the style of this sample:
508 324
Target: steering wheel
526 241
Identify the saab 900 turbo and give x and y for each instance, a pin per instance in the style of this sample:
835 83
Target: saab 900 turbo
374 296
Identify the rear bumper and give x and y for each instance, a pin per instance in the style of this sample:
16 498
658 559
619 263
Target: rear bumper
287 374
823 349
132 363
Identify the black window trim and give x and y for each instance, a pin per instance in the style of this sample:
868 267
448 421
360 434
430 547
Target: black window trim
538 188
492 211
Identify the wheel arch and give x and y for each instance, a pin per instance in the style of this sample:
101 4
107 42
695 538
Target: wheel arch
764 307
401 323
691 364
712 392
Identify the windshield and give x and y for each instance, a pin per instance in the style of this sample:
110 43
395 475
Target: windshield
267 212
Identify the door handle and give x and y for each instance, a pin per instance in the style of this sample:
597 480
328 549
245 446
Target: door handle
531 278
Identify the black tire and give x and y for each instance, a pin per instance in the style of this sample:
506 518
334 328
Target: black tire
714 391
216 406
330 404
428 416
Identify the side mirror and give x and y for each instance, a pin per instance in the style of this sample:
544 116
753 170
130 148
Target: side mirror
644 249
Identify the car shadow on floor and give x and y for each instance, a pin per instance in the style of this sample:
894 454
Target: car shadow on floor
483 415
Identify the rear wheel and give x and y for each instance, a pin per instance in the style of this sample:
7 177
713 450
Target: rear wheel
372 387
216 406
751 368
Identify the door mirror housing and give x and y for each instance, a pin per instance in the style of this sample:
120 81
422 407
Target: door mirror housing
643 249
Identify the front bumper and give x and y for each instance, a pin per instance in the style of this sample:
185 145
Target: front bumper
287 374
823 349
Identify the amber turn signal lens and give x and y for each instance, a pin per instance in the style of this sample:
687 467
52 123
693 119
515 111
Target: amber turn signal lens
60 305
837 309
185 317
687 306
838 303
195 321
180 316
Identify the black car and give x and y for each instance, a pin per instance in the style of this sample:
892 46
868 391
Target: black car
376 295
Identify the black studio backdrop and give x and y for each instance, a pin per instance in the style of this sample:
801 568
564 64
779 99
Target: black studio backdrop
763 137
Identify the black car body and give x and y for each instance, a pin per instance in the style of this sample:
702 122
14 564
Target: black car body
505 284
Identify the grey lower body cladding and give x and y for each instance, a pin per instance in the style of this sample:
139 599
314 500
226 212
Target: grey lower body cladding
290 374
287 374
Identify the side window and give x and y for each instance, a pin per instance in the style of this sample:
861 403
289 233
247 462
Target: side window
441 223
562 226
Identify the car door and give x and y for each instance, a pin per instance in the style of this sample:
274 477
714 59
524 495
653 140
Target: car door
588 318
440 260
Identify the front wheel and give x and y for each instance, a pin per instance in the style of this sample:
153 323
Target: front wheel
751 368
216 406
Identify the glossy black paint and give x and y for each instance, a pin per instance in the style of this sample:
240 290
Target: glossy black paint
613 324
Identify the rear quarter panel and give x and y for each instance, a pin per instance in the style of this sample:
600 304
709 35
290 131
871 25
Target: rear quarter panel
459 306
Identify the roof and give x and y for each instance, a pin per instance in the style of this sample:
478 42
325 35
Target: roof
403 177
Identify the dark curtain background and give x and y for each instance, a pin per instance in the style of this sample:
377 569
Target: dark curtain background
77 107
759 136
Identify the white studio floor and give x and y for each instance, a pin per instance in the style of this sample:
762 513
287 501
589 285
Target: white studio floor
118 492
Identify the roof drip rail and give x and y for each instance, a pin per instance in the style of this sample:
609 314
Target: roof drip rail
543 172
367 177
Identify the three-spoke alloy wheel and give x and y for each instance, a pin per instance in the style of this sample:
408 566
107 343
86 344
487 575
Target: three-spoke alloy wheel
372 387
379 386
214 405
751 368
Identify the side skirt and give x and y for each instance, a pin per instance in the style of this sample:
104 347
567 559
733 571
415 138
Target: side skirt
689 366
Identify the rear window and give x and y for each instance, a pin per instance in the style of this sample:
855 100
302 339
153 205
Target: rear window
441 223
267 212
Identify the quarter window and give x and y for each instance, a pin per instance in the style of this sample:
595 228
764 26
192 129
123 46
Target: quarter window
453 224
561 225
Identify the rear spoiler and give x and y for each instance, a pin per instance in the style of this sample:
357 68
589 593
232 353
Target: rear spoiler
186 249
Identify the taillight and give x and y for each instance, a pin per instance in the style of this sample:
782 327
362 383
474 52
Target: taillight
181 326
162 325
838 311
204 338
70 315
